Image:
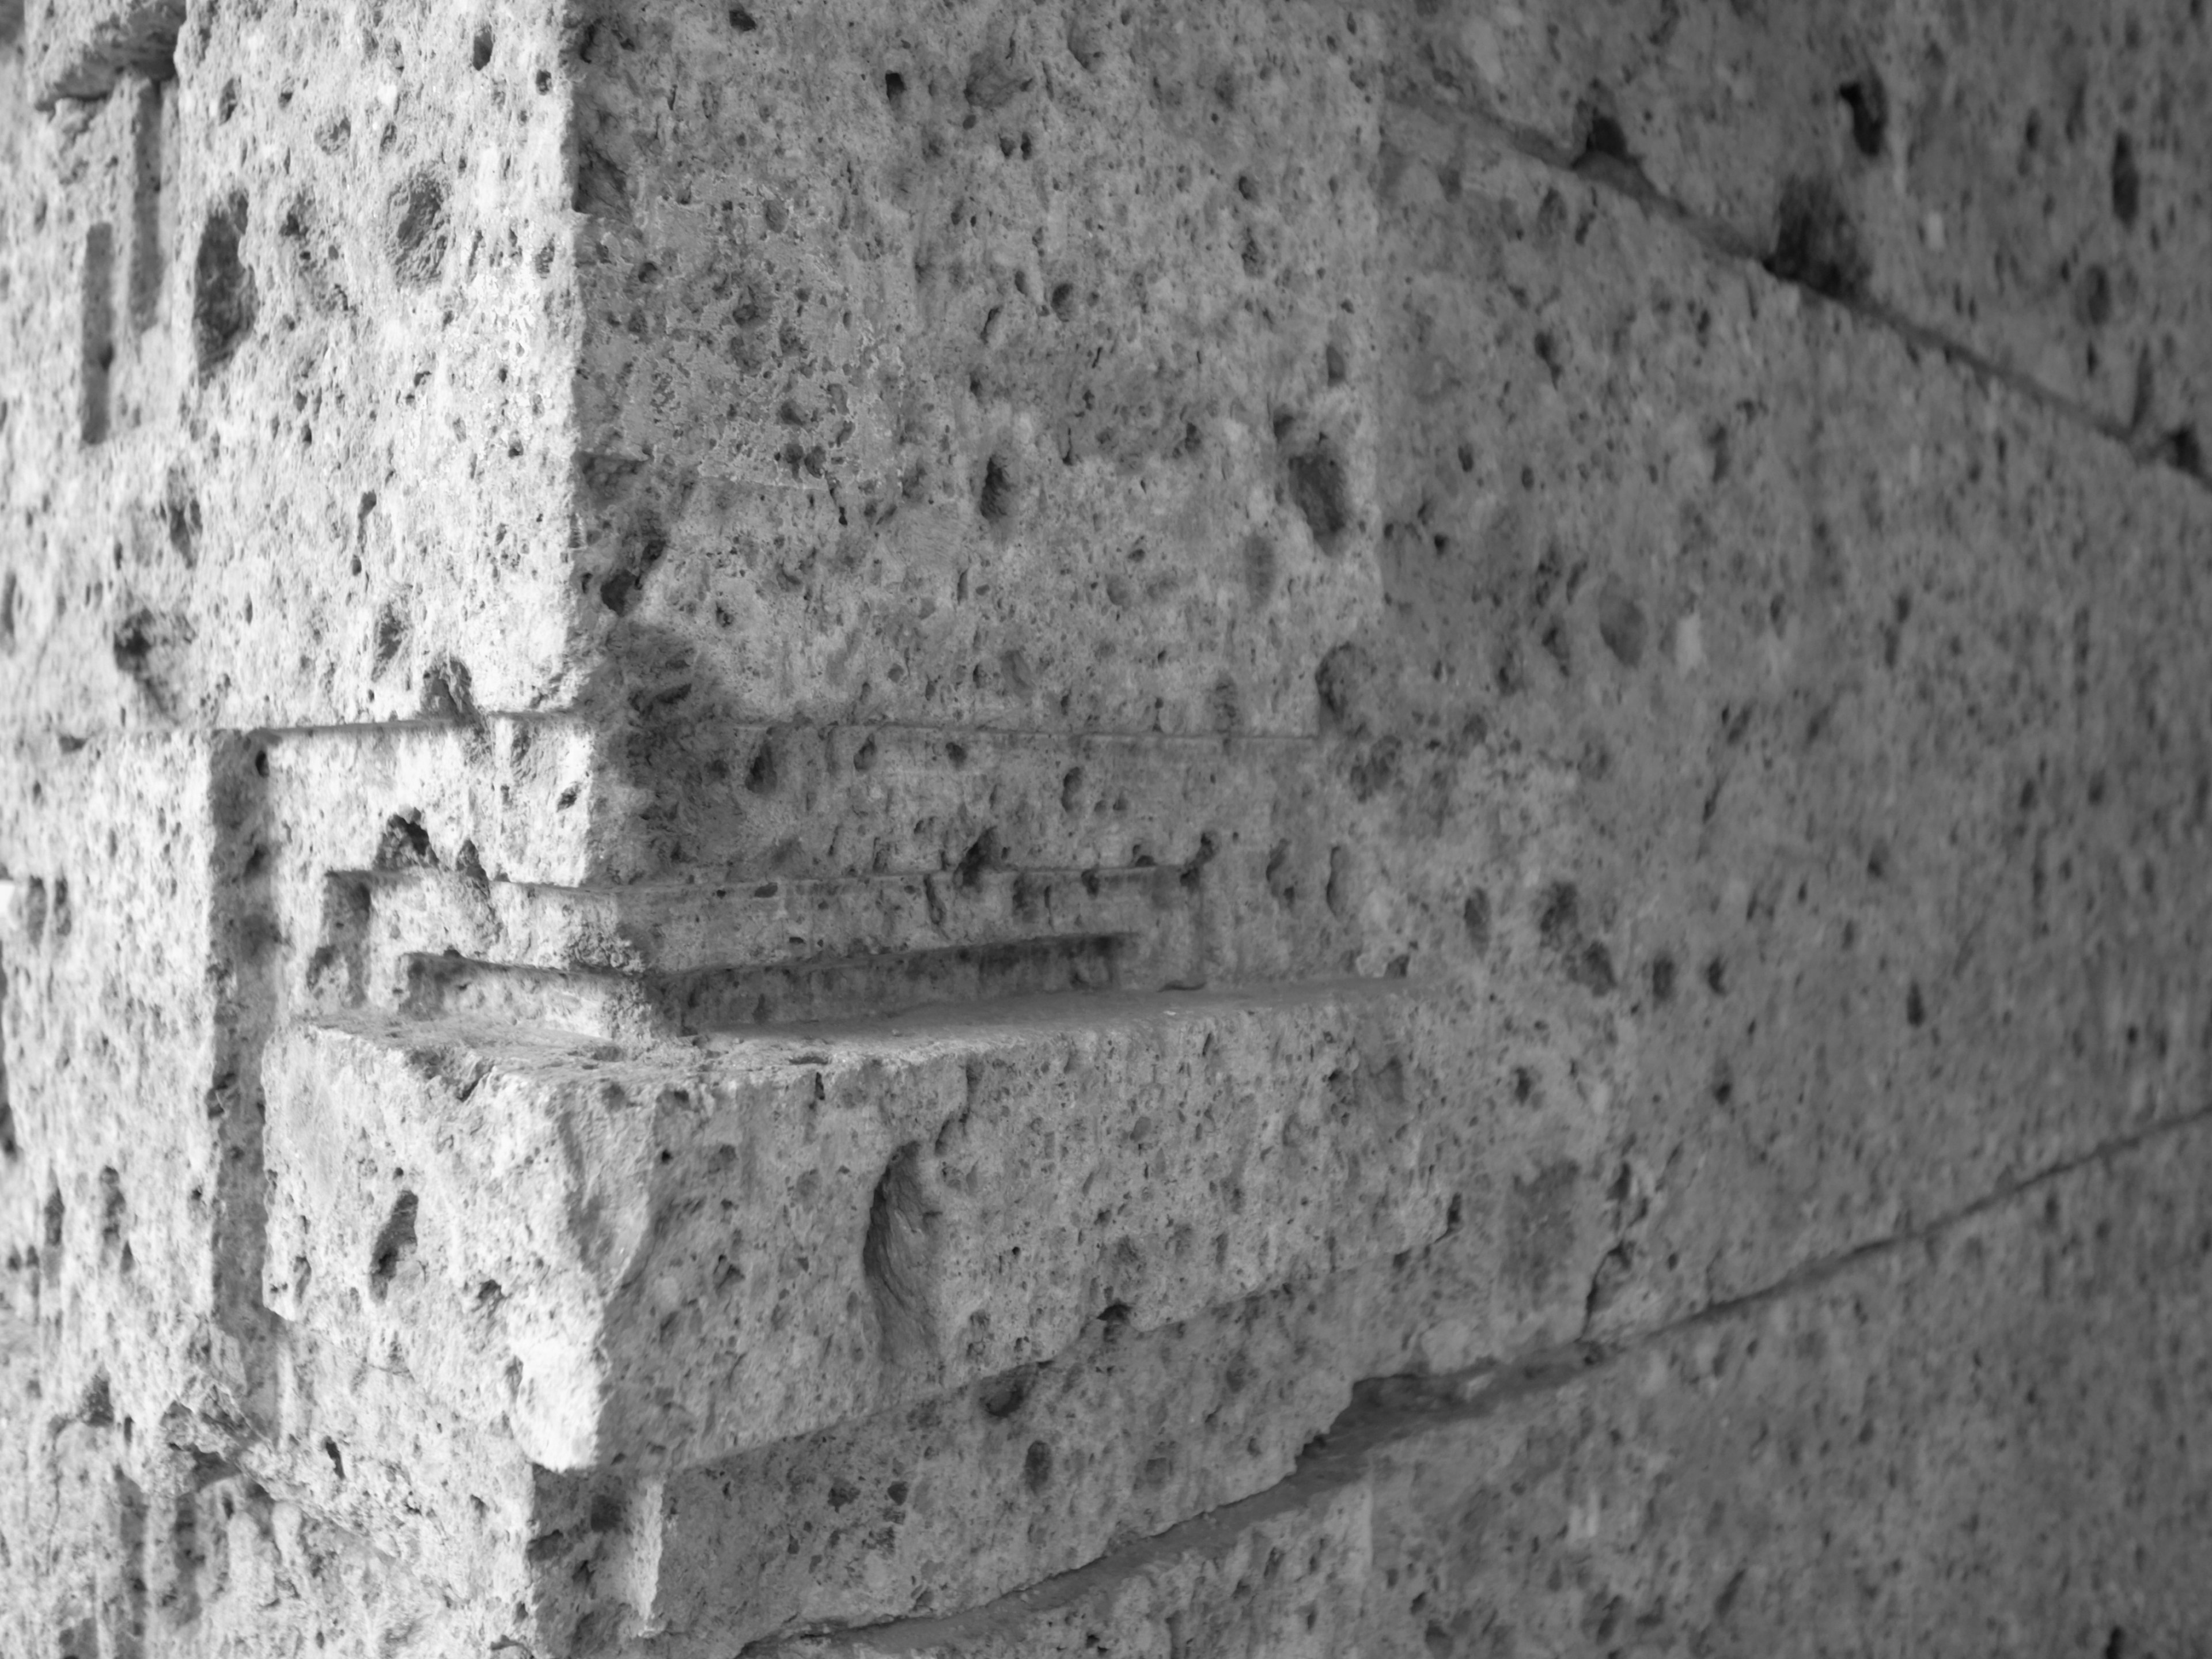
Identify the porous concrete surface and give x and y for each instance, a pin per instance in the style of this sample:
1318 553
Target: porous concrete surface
2020 181
1264 829
948 376
661 1260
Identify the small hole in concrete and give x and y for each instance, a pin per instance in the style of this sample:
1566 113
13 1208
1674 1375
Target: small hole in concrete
760 775
1604 141
395 1243
2127 183
1319 492
2179 448
419 234
1816 244
223 295
1037 1466
1867 99
1474 914
996 499
97 347
480 49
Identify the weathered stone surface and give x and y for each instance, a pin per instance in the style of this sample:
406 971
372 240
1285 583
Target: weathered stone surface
116 1119
123 1541
1990 1437
85 48
1983 1434
961 374
314 289
922 1204
804 809
1259 1578
1018 1479
2021 179
1839 690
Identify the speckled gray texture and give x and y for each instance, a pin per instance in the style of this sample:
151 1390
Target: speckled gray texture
663 1259
2024 180
972 830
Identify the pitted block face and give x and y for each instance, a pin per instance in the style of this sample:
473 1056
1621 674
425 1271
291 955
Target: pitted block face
695 1250
961 377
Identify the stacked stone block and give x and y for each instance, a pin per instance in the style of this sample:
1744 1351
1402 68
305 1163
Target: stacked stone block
1262 830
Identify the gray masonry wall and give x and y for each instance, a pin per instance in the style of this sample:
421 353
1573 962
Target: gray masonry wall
851 826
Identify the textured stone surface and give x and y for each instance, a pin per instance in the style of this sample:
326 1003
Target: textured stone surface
1916 1446
667 1257
1029 1474
1842 689
1253 829
958 372
1258 1578
1985 1439
2021 179
83 48
304 289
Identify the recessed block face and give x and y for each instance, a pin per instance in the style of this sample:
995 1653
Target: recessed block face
999 368
2024 181
1833 683
696 1255
513 799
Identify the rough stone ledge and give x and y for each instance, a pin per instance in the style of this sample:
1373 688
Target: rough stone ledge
542 1229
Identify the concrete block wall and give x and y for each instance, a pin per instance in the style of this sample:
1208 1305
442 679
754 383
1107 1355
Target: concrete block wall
1265 829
